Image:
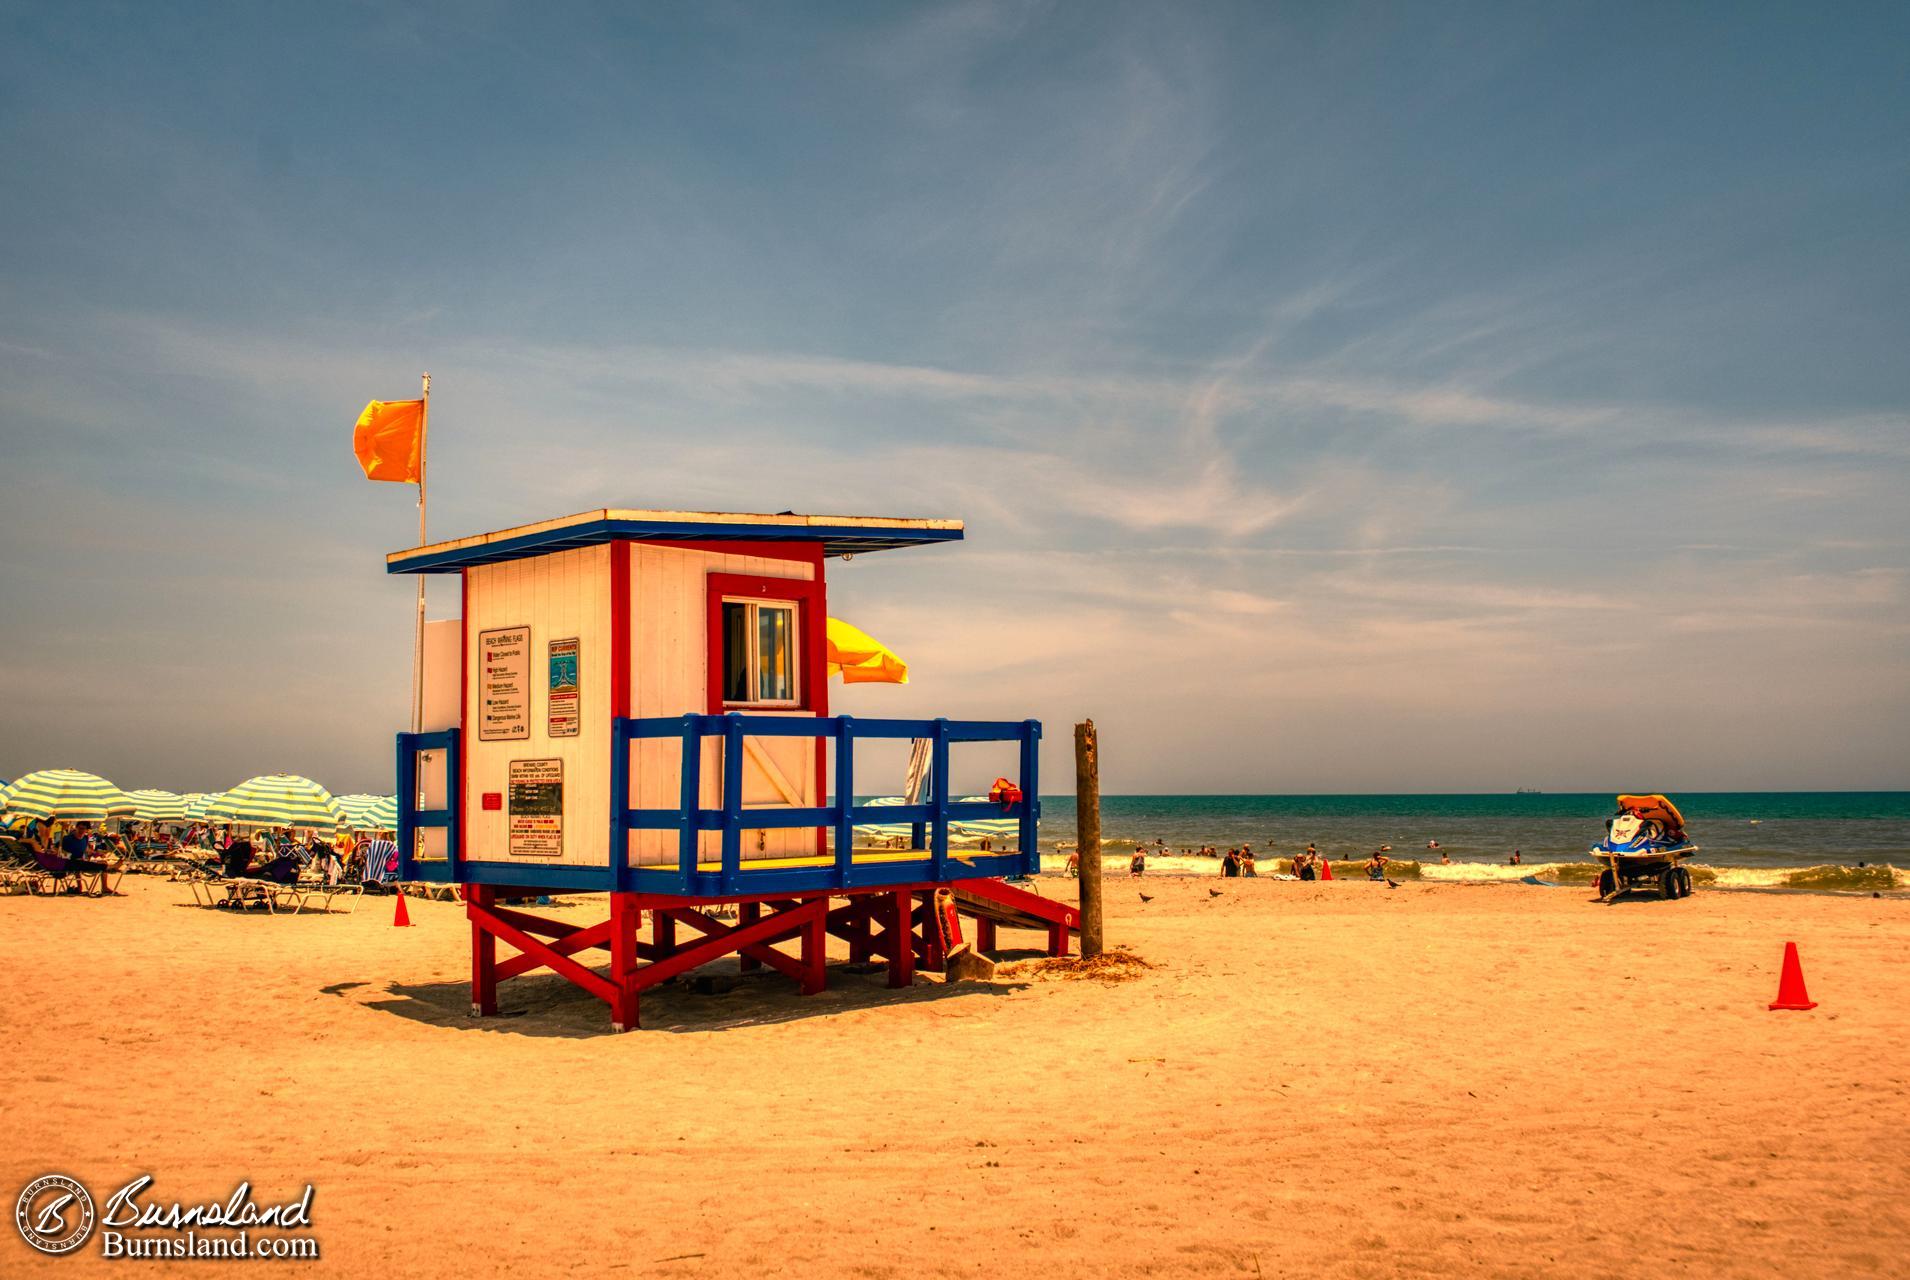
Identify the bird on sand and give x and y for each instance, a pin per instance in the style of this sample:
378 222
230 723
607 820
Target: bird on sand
1213 893
1147 897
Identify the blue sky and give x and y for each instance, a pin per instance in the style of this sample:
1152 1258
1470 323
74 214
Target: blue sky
1341 398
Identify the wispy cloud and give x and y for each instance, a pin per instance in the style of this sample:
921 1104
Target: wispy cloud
1328 410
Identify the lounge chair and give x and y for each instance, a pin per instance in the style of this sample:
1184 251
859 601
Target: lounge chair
325 894
18 870
51 878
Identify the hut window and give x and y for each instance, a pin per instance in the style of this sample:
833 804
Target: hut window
759 653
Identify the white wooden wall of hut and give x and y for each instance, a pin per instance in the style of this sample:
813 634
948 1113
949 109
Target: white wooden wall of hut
558 596
669 649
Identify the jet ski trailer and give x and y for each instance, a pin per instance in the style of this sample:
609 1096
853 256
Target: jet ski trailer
1644 849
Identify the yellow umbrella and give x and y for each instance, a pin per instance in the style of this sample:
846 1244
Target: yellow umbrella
859 658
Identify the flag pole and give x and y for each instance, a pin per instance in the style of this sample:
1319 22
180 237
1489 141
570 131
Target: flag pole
417 642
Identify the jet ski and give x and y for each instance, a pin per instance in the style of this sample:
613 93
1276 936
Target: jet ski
1644 845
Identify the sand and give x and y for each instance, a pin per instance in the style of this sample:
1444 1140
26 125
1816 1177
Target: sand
1326 1079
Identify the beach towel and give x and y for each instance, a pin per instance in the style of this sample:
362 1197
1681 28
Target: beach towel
381 861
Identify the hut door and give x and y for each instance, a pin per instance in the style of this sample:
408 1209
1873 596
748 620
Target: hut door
773 769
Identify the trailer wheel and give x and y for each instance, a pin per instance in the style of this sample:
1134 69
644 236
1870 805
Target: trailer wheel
1607 883
1668 883
1684 882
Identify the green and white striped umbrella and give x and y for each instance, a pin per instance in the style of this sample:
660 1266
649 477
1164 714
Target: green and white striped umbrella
196 804
278 800
369 813
157 806
66 794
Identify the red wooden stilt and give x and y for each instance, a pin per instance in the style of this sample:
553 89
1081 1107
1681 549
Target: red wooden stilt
588 979
815 951
860 930
624 918
985 935
899 925
747 914
901 939
933 958
483 953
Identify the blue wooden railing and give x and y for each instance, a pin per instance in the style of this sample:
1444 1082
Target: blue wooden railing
410 817
930 819
689 819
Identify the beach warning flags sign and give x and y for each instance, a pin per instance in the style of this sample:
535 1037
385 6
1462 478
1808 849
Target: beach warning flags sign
389 440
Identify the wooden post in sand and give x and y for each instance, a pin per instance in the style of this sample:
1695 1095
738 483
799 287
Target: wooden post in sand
1087 816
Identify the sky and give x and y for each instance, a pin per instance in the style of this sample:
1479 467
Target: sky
1340 398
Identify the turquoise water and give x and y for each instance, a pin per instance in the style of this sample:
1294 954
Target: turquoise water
1747 829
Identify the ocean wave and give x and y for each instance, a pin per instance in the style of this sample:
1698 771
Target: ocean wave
1826 878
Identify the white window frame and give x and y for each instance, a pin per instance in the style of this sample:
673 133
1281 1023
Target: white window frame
754 665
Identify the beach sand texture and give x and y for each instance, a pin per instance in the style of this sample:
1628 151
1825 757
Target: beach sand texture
1329 1079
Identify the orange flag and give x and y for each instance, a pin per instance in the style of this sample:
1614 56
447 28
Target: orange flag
387 440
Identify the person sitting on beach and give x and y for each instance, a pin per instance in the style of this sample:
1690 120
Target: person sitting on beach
36 837
1303 866
71 859
1137 864
1230 865
237 858
1376 866
1246 863
283 868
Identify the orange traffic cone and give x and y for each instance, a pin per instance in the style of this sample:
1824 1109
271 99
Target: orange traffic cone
401 919
1790 984
1326 869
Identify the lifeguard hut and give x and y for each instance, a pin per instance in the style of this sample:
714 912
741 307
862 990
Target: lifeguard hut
636 703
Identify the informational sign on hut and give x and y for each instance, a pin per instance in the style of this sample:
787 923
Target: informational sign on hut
504 684
562 705
537 808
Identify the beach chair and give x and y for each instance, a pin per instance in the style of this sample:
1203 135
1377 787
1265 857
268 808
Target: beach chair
207 884
432 890
326 894
18 870
213 888
51 881
245 892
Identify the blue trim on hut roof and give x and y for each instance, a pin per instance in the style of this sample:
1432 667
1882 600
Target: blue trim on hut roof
839 535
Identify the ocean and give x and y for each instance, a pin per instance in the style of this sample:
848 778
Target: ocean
1794 839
